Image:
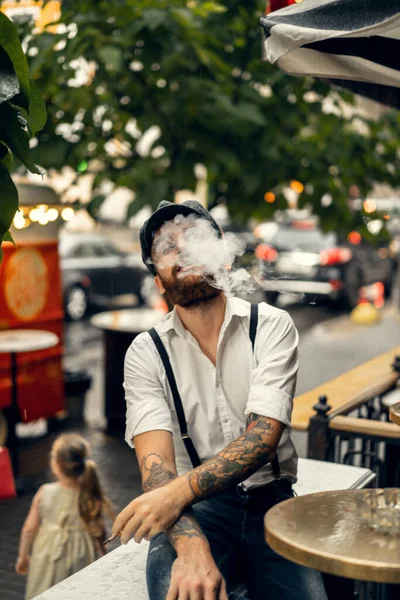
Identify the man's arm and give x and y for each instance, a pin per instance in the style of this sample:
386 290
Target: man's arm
155 453
159 509
194 572
240 459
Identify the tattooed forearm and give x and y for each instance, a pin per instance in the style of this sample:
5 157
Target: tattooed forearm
243 457
185 527
155 474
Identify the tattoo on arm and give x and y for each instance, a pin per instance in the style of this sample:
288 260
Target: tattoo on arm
240 459
155 475
187 526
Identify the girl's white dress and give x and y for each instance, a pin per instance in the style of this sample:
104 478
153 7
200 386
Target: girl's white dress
62 545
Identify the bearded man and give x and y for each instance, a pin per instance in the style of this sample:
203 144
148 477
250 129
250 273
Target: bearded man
209 397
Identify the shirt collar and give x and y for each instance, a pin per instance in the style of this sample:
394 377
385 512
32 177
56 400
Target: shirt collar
234 306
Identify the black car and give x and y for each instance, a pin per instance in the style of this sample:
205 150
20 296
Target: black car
245 233
95 273
299 258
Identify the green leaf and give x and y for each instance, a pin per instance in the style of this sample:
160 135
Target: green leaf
112 57
7 237
213 7
150 193
37 110
5 156
13 132
8 201
183 16
9 85
154 17
9 41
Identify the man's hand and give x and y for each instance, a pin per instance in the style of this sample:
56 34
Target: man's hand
153 512
195 576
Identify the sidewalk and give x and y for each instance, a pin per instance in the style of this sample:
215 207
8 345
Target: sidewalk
326 350
331 348
338 345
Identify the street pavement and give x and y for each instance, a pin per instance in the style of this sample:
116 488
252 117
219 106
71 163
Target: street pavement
329 345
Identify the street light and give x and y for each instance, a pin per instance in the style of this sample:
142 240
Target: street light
40 213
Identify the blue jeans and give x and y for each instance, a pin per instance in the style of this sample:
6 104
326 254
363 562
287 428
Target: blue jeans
233 524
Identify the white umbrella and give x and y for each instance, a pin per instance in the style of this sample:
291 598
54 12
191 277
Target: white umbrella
352 43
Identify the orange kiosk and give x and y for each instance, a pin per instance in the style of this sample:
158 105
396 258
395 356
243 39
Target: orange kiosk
31 298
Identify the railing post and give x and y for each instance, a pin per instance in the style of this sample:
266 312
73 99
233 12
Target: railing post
396 364
318 439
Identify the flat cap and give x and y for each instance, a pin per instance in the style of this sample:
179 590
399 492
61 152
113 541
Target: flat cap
167 211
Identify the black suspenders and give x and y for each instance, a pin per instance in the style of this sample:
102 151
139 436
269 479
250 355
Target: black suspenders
180 413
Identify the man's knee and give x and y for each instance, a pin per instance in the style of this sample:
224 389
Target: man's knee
159 564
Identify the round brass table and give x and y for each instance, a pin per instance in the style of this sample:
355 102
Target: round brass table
323 531
394 413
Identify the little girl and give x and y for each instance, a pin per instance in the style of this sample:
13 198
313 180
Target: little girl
65 524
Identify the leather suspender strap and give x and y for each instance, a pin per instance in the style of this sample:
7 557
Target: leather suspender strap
252 334
180 413
253 324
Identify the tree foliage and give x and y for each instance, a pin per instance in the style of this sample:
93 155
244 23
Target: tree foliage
22 114
194 70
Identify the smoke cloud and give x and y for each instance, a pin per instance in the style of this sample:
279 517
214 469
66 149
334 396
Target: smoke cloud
193 245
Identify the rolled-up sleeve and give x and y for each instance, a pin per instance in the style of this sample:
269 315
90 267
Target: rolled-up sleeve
146 406
273 382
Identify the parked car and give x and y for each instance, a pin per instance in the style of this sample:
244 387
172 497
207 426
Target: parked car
245 233
299 258
95 273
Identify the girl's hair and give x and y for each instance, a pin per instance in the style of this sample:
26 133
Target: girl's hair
71 453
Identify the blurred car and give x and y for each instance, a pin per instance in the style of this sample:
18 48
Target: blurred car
299 258
95 273
245 233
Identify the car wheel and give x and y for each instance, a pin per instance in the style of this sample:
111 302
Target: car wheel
351 290
75 303
389 283
271 297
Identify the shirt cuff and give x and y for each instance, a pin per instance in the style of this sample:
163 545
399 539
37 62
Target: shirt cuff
131 431
271 403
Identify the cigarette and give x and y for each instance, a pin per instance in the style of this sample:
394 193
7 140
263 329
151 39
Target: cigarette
110 539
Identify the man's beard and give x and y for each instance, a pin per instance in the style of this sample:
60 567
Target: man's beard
190 291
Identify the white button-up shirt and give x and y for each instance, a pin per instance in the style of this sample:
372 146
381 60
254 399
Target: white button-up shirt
216 399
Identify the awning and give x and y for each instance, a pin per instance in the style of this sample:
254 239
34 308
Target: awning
354 44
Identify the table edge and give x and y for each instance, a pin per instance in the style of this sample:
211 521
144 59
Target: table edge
395 417
327 562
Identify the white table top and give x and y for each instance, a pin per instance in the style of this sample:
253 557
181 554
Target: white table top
320 476
129 320
26 340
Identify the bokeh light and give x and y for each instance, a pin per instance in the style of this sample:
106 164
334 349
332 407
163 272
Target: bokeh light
67 213
297 186
369 206
354 238
269 197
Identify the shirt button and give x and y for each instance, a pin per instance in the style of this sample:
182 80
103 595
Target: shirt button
225 420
